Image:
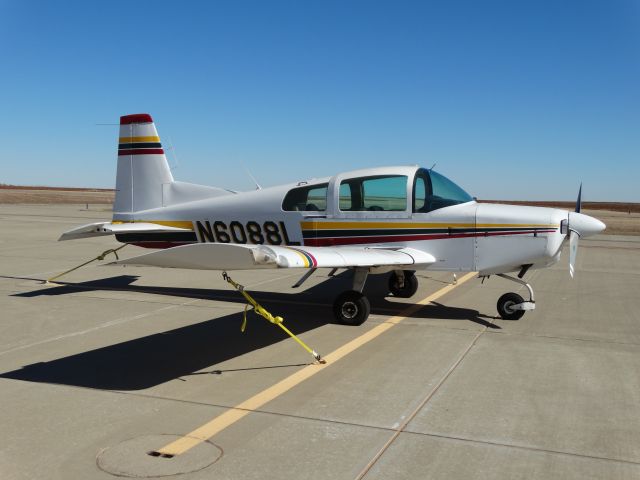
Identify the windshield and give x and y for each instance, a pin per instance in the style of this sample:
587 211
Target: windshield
432 191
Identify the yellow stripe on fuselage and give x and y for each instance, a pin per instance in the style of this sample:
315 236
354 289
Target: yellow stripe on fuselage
165 223
138 139
390 225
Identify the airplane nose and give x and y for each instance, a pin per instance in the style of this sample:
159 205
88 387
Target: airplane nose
585 225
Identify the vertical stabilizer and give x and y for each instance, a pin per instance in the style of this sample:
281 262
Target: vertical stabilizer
143 170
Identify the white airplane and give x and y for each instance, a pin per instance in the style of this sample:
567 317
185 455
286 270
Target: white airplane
372 221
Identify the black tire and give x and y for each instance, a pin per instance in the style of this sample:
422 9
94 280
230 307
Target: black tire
410 285
504 306
351 308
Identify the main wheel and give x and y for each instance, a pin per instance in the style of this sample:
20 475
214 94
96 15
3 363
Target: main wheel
505 306
351 308
410 285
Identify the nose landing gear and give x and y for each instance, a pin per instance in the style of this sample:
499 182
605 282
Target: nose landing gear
512 306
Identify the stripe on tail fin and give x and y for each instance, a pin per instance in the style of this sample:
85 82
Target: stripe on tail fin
142 165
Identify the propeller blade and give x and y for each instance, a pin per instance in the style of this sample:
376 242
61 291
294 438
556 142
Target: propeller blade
573 250
579 200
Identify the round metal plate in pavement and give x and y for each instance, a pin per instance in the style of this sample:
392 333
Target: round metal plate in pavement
137 458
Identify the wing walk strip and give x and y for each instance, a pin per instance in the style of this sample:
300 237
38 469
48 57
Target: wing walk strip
231 416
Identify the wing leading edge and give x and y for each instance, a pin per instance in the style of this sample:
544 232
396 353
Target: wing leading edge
219 256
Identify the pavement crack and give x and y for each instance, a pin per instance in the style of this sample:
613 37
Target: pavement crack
561 337
405 423
111 323
522 447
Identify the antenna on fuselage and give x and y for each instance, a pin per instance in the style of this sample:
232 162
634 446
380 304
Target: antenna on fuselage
258 187
174 155
433 166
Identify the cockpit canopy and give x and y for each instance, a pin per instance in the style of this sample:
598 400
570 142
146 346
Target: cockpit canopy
379 193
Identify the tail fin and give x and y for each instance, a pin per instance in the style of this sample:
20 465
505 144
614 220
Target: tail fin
143 170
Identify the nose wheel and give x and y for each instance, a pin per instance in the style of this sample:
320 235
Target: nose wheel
512 306
506 304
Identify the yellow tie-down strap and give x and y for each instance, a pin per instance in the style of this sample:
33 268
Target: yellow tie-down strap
99 257
260 310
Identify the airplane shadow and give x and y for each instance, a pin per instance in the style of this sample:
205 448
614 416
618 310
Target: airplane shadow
154 359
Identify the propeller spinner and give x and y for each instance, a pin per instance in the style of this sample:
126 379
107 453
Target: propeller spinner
580 226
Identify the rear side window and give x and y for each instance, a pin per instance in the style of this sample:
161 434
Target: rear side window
346 196
312 198
381 193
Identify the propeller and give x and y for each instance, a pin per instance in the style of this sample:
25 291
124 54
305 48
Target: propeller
574 237
580 225
573 250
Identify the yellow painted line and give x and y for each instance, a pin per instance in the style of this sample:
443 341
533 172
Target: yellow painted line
138 139
231 416
318 225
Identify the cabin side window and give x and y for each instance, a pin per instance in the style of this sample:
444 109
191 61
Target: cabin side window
386 193
421 189
347 193
432 191
312 198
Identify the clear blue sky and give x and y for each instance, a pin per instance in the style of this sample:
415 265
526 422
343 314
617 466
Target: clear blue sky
512 99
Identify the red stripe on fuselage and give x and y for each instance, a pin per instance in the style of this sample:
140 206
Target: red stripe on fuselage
327 242
159 244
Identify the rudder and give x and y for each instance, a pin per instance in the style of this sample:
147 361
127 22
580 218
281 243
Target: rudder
142 166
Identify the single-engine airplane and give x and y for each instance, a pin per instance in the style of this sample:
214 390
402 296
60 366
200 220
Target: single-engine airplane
378 220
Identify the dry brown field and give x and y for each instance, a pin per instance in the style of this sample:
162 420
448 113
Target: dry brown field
47 195
621 218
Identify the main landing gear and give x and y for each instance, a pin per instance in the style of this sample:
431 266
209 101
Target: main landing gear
512 306
353 308
403 283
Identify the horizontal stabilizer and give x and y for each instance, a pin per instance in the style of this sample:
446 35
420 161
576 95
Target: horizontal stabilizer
107 228
220 256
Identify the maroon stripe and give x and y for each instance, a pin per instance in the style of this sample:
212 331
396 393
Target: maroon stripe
136 118
141 151
326 242
159 244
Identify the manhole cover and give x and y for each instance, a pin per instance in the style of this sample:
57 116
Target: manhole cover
136 458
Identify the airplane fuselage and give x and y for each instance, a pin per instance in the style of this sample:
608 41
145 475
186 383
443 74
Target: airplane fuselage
469 236
386 219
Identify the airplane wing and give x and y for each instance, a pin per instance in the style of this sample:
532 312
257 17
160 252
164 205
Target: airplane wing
221 256
99 229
